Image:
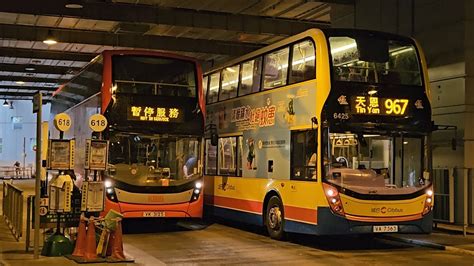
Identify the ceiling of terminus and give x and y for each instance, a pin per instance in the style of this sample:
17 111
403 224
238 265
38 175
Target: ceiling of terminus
209 30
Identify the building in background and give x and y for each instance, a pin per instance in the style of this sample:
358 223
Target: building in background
18 132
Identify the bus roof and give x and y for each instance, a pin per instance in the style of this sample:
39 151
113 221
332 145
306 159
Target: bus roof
128 52
308 34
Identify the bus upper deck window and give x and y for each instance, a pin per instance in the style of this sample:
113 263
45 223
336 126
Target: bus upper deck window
251 76
303 62
213 88
230 82
276 68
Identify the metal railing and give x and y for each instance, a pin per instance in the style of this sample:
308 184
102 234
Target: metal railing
13 208
16 172
443 183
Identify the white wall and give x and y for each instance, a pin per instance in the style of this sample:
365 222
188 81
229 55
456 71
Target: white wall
12 139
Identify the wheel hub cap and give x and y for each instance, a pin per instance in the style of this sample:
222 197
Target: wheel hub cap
274 218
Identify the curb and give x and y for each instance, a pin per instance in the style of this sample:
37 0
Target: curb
430 245
415 242
460 251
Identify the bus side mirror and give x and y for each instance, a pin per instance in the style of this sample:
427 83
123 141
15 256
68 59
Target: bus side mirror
214 139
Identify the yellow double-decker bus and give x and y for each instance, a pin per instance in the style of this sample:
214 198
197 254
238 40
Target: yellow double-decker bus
326 132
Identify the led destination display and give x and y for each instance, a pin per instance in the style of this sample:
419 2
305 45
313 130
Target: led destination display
371 105
155 114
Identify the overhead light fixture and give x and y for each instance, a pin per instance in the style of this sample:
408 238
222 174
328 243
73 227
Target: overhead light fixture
30 68
372 92
5 104
50 40
74 4
20 82
343 48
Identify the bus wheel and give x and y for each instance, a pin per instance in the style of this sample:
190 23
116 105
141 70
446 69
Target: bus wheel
275 218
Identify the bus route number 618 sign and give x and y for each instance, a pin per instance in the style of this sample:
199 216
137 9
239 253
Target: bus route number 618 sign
97 122
62 122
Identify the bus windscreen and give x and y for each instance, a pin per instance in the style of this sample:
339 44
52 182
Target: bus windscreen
148 75
384 61
375 163
143 160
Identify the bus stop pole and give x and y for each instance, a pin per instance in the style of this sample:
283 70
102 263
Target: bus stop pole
38 174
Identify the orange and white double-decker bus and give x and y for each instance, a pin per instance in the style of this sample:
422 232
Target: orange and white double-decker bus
154 106
326 132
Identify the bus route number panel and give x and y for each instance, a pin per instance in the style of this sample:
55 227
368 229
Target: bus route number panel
155 114
371 105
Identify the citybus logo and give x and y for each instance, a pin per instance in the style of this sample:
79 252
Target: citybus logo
384 210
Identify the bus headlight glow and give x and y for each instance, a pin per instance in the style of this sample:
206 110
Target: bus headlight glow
198 185
196 191
108 183
331 192
110 190
429 192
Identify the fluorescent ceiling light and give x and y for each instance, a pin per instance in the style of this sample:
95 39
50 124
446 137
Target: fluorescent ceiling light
343 48
74 4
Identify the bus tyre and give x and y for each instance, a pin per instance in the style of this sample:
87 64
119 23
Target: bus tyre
275 219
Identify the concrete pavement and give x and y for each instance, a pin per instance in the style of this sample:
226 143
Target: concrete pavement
149 243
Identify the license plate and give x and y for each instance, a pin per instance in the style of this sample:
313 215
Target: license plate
385 228
153 214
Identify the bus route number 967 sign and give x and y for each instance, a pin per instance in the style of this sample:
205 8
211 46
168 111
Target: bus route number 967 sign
97 123
62 122
371 105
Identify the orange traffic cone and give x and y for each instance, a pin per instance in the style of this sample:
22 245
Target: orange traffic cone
90 250
117 246
80 247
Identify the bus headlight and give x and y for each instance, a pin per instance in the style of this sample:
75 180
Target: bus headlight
334 200
110 191
428 201
429 192
198 185
108 183
196 191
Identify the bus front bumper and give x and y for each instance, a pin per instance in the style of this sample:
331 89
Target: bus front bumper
332 224
181 210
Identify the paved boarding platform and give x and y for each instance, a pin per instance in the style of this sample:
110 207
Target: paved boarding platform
151 243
